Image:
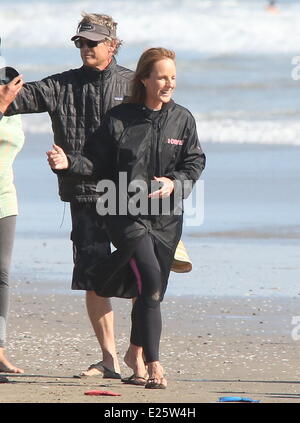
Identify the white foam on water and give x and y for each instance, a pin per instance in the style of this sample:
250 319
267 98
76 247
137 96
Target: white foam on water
210 29
207 27
237 131
219 130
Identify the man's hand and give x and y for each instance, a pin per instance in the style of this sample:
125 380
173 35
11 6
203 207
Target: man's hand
57 159
9 92
166 190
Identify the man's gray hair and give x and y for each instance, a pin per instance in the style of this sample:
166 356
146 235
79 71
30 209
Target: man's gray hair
104 20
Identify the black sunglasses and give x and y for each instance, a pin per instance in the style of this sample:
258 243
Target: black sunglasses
79 43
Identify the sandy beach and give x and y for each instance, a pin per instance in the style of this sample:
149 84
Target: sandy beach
211 347
237 333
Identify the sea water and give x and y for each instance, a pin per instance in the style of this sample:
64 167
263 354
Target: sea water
235 67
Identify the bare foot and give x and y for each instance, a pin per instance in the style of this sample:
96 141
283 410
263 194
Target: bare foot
7 367
91 371
99 369
135 360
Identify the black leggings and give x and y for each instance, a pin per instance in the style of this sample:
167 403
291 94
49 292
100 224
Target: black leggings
146 315
7 233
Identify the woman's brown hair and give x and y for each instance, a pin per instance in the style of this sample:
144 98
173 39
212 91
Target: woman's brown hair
144 69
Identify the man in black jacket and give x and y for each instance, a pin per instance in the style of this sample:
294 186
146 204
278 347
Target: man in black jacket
76 101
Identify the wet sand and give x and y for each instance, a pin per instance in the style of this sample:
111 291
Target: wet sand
211 347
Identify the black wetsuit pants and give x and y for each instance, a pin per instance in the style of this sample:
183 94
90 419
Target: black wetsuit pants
146 315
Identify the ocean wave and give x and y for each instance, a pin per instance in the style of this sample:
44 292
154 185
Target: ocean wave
213 129
207 27
238 131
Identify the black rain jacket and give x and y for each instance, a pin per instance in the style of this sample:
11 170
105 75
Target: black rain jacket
142 144
76 101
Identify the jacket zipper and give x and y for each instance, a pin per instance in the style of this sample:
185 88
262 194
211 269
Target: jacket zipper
161 145
101 97
155 150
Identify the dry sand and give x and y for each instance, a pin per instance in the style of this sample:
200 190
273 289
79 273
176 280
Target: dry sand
211 347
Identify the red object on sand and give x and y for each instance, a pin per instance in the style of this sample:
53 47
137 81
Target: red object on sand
107 393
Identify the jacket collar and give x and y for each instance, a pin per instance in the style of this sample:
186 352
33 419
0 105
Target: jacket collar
148 113
94 73
165 107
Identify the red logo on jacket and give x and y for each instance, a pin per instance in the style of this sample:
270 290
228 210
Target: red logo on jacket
175 142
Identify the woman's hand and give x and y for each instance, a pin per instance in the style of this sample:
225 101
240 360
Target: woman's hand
57 159
166 189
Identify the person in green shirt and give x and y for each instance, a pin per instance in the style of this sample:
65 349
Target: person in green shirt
11 141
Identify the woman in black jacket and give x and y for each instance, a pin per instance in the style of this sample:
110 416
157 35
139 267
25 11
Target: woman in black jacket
148 140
